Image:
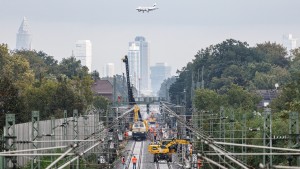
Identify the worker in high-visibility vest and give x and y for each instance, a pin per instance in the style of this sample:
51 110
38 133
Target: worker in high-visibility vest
199 163
134 159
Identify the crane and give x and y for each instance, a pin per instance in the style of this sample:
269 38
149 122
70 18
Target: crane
139 127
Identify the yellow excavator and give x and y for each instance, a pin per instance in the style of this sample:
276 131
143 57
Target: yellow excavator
164 149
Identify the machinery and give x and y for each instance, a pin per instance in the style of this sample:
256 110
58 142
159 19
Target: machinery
152 121
139 127
165 148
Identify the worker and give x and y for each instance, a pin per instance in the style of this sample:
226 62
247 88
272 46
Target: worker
123 160
134 159
154 135
126 135
199 163
191 148
151 130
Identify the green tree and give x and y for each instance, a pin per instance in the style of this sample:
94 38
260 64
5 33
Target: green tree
100 102
95 75
273 53
237 97
70 67
208 100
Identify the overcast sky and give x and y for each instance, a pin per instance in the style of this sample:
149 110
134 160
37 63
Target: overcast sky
176 31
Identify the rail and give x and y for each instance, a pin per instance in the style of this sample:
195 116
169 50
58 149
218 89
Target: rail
137 151
163 165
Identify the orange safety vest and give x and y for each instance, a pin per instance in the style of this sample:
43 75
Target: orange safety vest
134 159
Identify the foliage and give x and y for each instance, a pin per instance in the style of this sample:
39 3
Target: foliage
95 75
163 91
232 72
100 102
206 99
234 62
31 80
239 98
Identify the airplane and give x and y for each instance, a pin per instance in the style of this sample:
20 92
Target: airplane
147 9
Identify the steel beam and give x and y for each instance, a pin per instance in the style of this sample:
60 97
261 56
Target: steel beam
35 134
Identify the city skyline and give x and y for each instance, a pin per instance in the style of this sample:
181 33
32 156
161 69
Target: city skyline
177 36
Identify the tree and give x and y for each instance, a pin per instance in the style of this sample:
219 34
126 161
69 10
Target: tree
208 100
70 67
273 53
95 75
237 97
100 102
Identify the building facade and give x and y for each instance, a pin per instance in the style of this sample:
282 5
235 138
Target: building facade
159 72
138 59
134 64
289 42
83 52
23 36
110 69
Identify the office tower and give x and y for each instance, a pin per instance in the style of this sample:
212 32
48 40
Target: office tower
23 36
134 64
83 52
138 57
159 73
110 69
289 42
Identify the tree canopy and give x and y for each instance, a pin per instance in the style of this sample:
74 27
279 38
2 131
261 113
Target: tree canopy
31 80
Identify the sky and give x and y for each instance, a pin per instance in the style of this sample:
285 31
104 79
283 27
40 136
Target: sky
176 31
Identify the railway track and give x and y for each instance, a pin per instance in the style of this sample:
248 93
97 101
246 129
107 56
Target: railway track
137 151
163 165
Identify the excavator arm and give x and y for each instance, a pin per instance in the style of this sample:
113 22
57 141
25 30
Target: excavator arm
159 148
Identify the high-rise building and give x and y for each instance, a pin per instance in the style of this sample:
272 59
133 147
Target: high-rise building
23 36
138 58
110 69
159 73
289 42
83 52
134 64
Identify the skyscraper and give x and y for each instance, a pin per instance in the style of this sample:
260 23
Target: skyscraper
138 57
83 52
159 73
110 69
134 64
289 42
23 36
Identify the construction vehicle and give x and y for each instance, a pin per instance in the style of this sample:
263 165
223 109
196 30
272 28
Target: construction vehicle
164 149
139 127
152 121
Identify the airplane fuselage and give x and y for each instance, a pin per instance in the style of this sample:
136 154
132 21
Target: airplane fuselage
146 9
